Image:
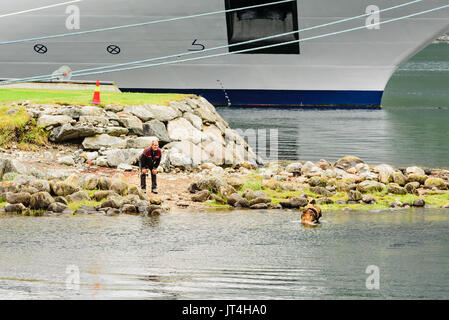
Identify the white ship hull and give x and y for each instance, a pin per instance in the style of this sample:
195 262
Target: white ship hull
349 69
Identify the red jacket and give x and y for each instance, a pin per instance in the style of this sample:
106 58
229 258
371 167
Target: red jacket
150 159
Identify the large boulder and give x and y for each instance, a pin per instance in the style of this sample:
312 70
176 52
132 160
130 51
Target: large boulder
415 177
196 121
415 170
21 197
140 142
234 198
46 121
41 200
399 178
185 154
103 140
63 188
182 130
131 122
212 133
385 172
164 113
156 128
68 132
115 157
141 112
435 182
347 162
370 186
205 111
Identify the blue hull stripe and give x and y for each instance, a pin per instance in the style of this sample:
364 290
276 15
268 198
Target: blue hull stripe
280 98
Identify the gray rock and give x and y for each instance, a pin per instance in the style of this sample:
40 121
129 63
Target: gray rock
140 142
10 165
295 203
412 187
67 160
394 188
367 198
419 203
385 172
129 209
234 198
40 184
125 167
415 170
196 121
110 203
259 200
182 130
141 112
103 140
46 121
201 196
104 183
116 131
68 132
325 200
347 162
131 122
94 120
113 108
370 186
309 169
258 206
164 113
91 111
61 199
251 194
89 182
116 157
322 191
157 129
119 187
292 167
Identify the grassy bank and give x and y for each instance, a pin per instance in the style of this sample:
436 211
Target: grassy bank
18 128
84 97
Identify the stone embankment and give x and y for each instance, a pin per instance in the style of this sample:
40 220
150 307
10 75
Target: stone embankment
191 132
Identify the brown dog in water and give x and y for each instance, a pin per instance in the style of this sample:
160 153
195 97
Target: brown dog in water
311 215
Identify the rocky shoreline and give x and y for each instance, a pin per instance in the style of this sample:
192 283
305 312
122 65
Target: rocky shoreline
347 184
89 167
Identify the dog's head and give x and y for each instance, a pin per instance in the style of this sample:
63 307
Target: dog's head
314 211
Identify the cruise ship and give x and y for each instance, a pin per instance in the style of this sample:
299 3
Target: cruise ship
324 64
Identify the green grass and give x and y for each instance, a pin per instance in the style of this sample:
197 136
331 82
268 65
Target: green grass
76 205
2 203
84 97
254 182
20 129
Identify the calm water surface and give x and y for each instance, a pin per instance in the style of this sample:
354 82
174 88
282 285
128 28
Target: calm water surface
411 129
238 255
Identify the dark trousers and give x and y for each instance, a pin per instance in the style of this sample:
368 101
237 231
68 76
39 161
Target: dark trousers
143 181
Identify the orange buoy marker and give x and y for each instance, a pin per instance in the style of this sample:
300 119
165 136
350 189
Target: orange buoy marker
96 99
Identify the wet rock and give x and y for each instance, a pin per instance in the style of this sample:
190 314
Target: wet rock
110 203
112 212
133 190
242 203
119 187
21 197
259 200
61 199
15 208
156 129
347 162
201 196
156 200
368 186
354 195
396 204
78 196
396 189
419 203
412 187
57 207
218 199
213 184
129 209
41 200
259 206
103 141
234 198
435 182
295 203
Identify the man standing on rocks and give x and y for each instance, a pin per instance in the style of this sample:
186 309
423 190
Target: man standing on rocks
149 160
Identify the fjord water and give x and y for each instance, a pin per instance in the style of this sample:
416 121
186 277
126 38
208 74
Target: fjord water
412 128
266 254
227 255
